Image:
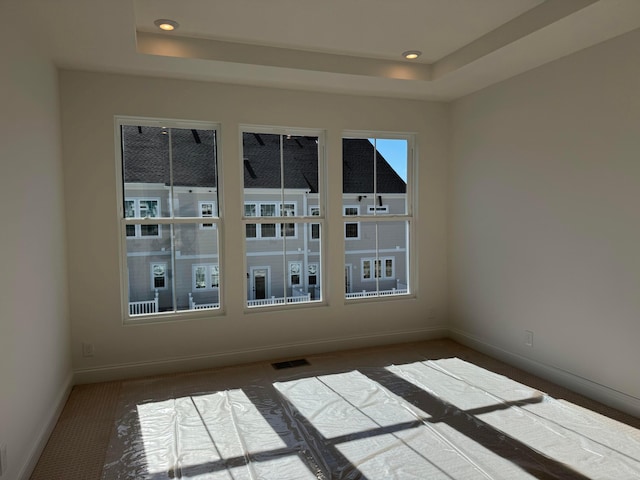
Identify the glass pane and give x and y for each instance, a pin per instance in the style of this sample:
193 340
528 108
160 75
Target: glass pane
391 176
146 175
393 240
149 230
268 210
268 230
378 270
266 272
149 288
300 168
129 208
374 171
250 210
262 161
196 257
195 173
358 156
314 274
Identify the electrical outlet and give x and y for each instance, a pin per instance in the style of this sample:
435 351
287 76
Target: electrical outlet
87 350
3 458
528 338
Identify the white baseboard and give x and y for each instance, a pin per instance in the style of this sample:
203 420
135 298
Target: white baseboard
271 352
46 430
601 393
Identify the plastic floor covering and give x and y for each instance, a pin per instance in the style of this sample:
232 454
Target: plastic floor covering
406 416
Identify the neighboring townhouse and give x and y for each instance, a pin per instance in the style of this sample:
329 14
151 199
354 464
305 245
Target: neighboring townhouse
172 173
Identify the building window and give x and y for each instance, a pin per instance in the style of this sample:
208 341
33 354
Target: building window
269 230
206 277
351 229
312 271
142 208
207 210
282 175
169 195
377 180
378 268
315 227
158 276
294 273
371 209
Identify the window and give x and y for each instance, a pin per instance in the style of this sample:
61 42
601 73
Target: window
158 276
315 227
378 268
206 211
142 208
206 277
268 230
169 197
294 273
351 229
281 181
377 180
377 210
313 274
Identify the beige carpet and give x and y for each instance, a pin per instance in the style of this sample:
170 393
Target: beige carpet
98 435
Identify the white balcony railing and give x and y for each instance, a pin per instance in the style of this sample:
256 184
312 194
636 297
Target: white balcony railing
376 293
144 307
279 300
201 306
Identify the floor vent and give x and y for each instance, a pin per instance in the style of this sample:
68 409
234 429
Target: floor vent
290 363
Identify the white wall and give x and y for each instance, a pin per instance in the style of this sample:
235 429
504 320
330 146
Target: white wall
89 103
545 217
35 361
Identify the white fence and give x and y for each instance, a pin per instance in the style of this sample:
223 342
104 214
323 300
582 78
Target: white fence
376 293
279 301
144 307
201 306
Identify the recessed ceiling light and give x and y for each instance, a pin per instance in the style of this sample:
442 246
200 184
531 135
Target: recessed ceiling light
411 54
166 24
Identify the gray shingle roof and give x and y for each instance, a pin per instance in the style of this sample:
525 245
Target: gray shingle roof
146 160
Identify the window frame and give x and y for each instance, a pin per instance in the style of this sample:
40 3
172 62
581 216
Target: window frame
301 221
376 218
164 222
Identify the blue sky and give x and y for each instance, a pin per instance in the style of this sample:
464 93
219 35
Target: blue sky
395 152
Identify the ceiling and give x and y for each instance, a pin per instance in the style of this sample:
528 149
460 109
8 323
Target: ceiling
345 46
